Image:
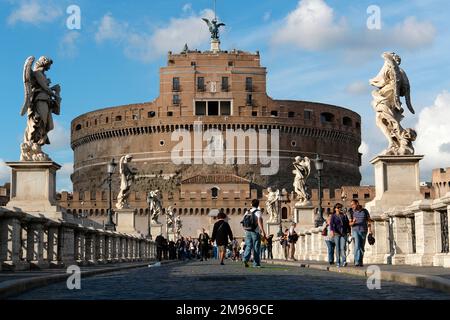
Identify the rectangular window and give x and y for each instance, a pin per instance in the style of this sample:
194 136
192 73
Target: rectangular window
274 113
176 84
249 99
248 84
169 113
291 114
200 108
201 84
213 108
366 196
225 84
308 114
254 113
176 99
225 108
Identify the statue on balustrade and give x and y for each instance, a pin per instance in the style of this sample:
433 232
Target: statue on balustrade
155 205
271 204
392 84
170 219
127 175
302 170
40 102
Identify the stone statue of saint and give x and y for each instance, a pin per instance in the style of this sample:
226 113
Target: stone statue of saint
392 83
170 219
271 204
301 172
178 224
41 100
126 180
155 205
214 27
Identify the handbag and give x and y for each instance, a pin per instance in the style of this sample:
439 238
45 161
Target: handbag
325 231
371 239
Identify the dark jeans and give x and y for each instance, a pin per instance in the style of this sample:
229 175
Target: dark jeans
204 252
269 253
159 251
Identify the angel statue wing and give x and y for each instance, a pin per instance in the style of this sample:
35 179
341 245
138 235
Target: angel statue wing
405 90
27 74
220 25
208 23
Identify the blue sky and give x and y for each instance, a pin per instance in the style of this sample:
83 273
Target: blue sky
315 50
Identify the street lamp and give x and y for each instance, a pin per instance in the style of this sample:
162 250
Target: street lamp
149 202
111 168
318 163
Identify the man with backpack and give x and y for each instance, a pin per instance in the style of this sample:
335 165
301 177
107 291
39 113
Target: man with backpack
253 226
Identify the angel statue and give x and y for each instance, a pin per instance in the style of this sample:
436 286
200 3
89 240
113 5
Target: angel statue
214 27
126 180
179 225
271 204
301 172
392 83
170 219
40 102
155 205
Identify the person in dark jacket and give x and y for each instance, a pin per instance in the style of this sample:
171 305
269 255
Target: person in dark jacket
159 246
269 247
203 242
339 230
221 233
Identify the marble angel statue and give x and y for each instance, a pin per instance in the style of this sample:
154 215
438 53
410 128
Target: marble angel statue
155 205
301 172
126 181
271 204
170 219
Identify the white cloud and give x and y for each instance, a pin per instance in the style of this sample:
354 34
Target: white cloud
63 182
412 33
187 7
312 26
59 137
5 172
35 12
267 15
358 88
68 44
148 46
433 134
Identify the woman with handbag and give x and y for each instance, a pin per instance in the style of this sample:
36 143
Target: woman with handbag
339 231
329 241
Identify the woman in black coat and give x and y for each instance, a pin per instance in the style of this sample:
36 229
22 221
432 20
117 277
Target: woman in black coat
221 234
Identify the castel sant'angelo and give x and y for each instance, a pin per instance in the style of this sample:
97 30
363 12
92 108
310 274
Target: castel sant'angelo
201 91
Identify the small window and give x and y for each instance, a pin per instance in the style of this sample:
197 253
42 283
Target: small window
284 213
151 114
170 114
358 125
201 84
213 108
326 117
254 113
176 84
291 114
214 192
366 196
95 122
106 120
293 143
78 127
200 108
87 124
355 196
225 108
249 101
135 117
230 63
248 84
308 114
274 113
193 63
346 121
162 143
225 84
176 99
118 118
427 195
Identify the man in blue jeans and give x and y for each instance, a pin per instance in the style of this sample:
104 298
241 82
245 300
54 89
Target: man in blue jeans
253 226
361 225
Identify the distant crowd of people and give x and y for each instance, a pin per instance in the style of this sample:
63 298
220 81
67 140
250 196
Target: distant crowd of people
339 229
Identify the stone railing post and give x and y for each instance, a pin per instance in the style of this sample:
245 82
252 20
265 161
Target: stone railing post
308 245
381 252
402 238
117 248
100 250
53 245
125 248
302 245
66 245
35 244
91 254
80 246
10 239
109 246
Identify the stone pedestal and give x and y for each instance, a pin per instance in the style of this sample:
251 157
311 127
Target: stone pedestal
156 230
172 236
215 45
304 217
396 182
273 228
126 221
33 188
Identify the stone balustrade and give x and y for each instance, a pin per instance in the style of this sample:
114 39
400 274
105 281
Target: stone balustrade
35 242
415 235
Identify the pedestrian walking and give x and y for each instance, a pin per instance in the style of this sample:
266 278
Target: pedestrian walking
263 248
339 230
203 240
253 226
269 247
159 240
284 243
329 241
221 233
292 240
235 248
361 224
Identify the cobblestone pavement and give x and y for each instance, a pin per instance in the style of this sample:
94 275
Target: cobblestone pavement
207 280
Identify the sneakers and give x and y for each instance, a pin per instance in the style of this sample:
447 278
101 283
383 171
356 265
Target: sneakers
257 266
345 264
222 264
246 264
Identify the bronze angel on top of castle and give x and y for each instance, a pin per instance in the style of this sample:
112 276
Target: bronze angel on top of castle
41 100
214 27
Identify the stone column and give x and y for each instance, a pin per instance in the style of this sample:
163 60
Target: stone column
402 239
100 247
130 249
11 246
80 247
91 254
307 255
425 239
116 248
302 245
380 252
108 246
53 247
35 244
125 249
66 244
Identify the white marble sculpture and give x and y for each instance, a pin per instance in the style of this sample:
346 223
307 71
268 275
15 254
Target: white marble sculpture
271 205
170 219
126 180
155 205
301 172
392 83
178 225
40 102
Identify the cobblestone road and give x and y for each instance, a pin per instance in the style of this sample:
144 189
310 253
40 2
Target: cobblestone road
208 280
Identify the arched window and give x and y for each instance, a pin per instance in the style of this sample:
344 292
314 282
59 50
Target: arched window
78 127
284 213
346 121
326 117
215 192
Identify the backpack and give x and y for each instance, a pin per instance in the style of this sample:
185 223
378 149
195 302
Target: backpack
250 222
